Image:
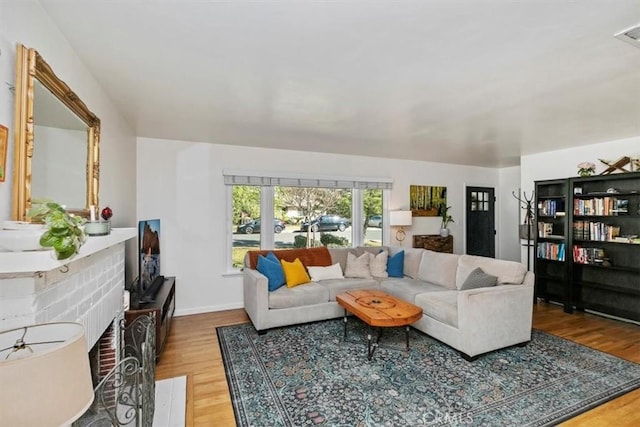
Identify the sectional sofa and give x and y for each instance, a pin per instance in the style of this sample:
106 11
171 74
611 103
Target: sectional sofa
473 321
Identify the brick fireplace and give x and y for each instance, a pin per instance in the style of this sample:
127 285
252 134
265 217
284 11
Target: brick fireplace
88 289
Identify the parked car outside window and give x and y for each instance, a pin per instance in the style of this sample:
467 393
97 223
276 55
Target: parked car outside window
327 223
375 221
254 226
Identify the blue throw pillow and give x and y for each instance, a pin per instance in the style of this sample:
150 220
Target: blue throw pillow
272 270
273 257
395 265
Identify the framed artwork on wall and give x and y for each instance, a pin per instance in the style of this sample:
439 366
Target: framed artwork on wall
426 200
4 136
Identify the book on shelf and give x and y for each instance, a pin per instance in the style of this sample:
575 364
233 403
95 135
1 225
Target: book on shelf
545 229
583 255
551 207
551 251
598 231
600 206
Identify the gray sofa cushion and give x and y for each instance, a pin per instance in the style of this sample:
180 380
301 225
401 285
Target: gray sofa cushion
338 286
478 279
506 271
439 268
407 288
307 294
442 306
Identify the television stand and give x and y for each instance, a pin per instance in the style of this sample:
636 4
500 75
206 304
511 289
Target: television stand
161 308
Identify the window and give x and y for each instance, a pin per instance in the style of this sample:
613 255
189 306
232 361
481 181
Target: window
245 221
318 216
302 212
479 201
373 219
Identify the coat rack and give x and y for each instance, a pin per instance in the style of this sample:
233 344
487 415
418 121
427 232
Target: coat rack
526 203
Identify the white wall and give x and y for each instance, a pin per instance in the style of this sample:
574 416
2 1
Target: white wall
509 214
563 163
181 183
26 22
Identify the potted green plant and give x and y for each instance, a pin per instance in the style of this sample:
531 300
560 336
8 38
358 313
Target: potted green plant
446 219
64 233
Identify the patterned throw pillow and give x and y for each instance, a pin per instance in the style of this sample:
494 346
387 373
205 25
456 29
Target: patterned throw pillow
358 267
378 264
272 270
479 279
294 273
395 265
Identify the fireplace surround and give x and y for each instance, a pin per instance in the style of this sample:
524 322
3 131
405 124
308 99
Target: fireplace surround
88 288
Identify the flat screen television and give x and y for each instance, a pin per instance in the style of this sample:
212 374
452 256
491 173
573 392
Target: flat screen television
149 278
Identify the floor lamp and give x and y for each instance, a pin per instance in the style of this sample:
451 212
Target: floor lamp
400 219
45 379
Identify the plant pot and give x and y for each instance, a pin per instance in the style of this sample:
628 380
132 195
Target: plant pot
444 232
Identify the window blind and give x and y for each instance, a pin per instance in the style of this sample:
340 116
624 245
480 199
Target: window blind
242 178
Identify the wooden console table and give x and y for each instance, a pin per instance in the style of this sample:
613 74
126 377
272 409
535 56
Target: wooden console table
162 309
434 242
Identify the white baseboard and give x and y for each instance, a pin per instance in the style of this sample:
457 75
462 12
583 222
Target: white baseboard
209 309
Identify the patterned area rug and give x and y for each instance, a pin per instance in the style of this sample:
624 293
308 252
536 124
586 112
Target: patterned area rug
309 375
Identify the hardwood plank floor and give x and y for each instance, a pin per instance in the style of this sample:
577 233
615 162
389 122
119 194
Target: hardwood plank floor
192 349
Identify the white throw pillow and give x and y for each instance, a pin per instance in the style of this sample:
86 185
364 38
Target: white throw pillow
324 273
378 264
358 267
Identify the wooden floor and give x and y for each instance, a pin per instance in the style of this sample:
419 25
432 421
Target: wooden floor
192 350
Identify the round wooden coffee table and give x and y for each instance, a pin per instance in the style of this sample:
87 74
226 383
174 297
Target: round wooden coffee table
378 310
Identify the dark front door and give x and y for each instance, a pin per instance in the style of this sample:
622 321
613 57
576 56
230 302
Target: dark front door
480 213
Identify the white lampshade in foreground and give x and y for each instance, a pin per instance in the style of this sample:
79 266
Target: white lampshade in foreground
46 382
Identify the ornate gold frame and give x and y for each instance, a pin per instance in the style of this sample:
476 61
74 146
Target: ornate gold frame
30 66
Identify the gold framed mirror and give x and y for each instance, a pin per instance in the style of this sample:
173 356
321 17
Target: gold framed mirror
57 139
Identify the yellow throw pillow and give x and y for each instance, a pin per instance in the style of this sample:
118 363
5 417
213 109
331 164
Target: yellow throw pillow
294 273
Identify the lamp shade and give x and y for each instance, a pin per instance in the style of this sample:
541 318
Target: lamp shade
45 379
400 218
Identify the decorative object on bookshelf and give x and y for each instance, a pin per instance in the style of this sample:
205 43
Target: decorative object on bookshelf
617 165
586 168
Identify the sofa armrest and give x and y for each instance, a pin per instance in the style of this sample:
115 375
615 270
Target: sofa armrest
256 297
490 317
529 279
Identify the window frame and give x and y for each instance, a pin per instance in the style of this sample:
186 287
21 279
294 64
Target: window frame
267 184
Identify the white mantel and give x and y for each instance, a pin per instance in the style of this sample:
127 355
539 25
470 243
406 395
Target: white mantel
34 261
88 288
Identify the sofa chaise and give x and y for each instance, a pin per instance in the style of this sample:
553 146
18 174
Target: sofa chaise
472 321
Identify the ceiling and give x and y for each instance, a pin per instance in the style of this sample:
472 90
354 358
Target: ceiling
475 82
